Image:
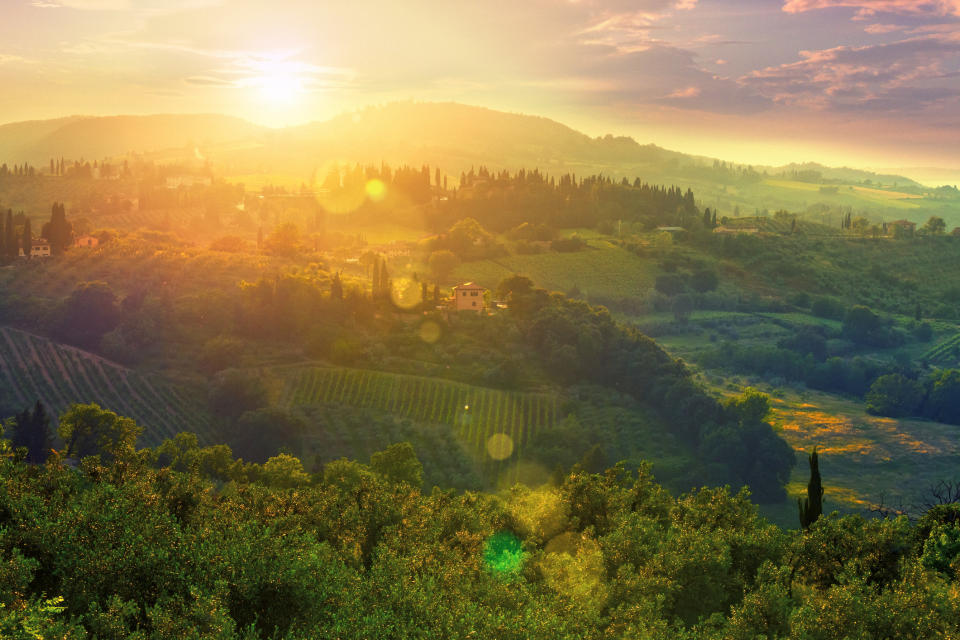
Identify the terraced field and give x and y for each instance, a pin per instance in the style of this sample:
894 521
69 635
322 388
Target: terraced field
33 368
946 353
497 422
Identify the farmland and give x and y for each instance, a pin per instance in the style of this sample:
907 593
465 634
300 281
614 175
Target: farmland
603 270
33 368
476 414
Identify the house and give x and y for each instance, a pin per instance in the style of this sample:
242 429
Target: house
86 241
40 248
468 297
901 228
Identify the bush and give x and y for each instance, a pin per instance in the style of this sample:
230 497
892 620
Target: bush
894 395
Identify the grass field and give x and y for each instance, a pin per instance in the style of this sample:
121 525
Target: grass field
34 368
865 458
485 419
601 270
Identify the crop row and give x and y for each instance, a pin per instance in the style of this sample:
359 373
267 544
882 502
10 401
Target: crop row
947 351
475 413
34 368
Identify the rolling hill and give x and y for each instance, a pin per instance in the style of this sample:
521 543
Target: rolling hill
98 137
34 368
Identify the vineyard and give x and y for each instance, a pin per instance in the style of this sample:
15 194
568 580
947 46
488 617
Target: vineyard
476 414
947 353
33 368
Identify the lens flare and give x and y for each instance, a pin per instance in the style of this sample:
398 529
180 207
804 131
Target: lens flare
499 446
429 331
376 190
503 554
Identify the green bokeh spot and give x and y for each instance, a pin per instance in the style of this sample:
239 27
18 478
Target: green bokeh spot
503 554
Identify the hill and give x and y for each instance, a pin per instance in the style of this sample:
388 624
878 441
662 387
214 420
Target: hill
34 368
97 137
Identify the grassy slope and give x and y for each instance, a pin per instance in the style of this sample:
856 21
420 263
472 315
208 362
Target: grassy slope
601 270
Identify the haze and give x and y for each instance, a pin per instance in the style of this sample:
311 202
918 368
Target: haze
865 82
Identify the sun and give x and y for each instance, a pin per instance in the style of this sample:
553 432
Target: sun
278 81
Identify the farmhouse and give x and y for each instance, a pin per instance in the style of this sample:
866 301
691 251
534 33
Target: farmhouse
40 248
902 226
87 241
468 297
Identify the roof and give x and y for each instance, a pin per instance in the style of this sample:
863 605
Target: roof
469 285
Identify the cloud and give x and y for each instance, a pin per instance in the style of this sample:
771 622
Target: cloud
147 6
689 92
881 29
905 76
871 7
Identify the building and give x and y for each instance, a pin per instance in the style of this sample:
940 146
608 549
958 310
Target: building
86 241
468 297
40 249
901 228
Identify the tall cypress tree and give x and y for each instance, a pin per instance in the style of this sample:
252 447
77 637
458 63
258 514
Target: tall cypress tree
27 239
32 430
811 507
375 280
9 239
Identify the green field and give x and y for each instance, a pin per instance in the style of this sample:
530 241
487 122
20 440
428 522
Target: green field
34 368
601 270
476 414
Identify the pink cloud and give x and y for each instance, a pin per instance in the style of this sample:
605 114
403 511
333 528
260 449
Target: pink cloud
688 92
871 7
880 29
908 75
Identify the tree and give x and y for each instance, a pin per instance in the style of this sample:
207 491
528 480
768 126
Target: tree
442 263
8 243
89 312
88 430
704 280
894 395
812 506
283 241
285 472
58 232
27 241
861 325
669 284
934 226
336 287
943 400
32 430
234 392
398 463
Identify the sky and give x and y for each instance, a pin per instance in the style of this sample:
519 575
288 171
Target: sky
871 83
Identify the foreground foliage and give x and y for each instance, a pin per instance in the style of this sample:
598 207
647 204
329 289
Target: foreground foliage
181 541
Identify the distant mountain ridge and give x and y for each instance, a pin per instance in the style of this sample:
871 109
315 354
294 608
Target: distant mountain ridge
449 135
96 137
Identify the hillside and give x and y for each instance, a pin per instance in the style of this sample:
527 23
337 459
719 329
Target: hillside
98 137
34 368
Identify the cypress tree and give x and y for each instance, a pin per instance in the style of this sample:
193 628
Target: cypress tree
32 430
9 239
375 280
27 241
336 287
812 506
